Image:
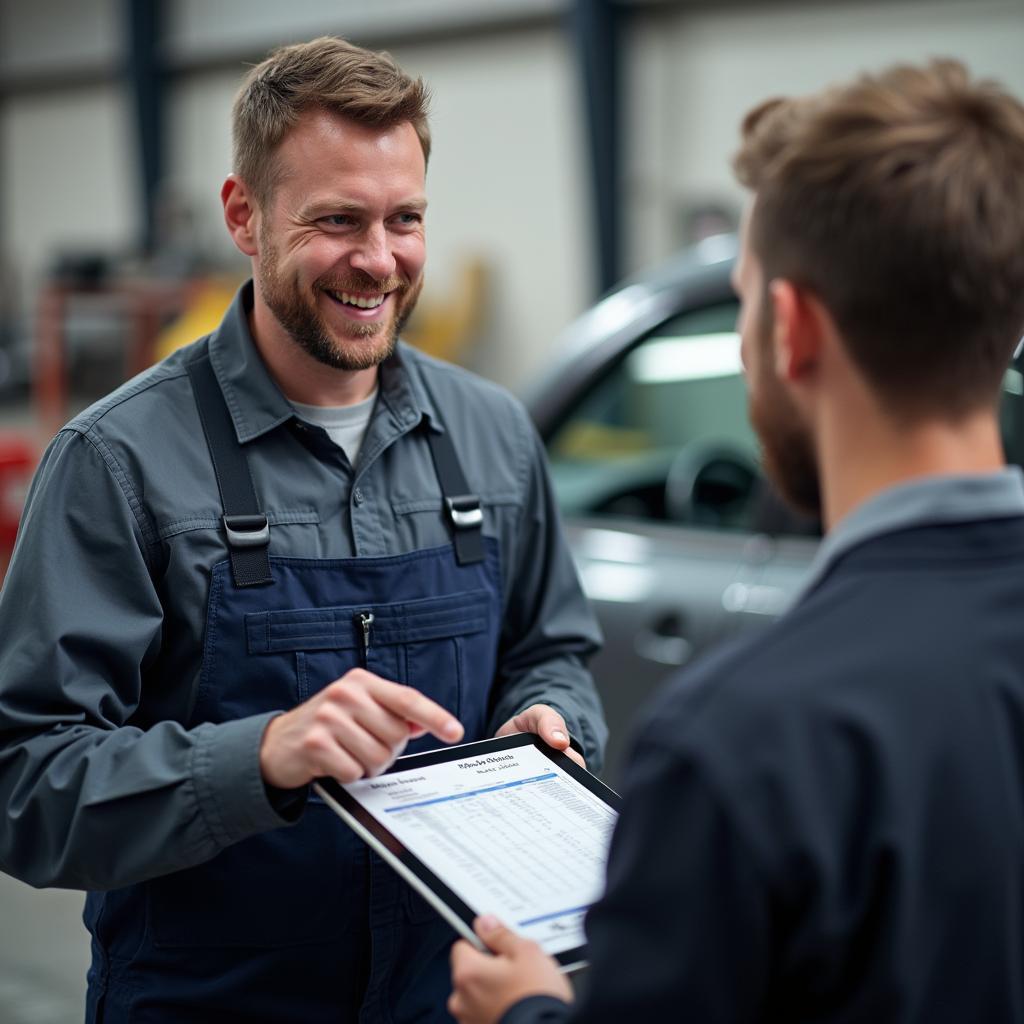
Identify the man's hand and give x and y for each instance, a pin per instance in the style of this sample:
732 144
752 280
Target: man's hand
354 727
548 724
485 986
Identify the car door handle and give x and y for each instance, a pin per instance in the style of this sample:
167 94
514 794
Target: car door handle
664 642
754 599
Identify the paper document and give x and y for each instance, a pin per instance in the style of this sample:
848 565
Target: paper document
510 832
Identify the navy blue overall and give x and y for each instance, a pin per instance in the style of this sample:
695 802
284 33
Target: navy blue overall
303 924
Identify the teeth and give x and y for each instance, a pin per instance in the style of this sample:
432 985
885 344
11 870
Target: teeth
357 300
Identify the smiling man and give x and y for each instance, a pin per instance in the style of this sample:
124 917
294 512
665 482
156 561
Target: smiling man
825 821
339 246
296 548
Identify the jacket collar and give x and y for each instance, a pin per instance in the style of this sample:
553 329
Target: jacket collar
927 501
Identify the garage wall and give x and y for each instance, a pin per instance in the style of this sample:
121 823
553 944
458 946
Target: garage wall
509 181
53 35
68 178
695 72
66 171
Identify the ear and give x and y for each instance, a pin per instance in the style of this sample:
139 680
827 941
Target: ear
798 330
241 215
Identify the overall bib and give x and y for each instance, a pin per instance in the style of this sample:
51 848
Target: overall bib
302 923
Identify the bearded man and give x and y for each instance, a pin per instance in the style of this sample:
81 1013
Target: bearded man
296 548
826 822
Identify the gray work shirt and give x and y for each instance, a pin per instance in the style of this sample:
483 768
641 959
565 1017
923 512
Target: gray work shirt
103 608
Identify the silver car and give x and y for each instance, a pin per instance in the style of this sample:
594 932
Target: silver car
679 541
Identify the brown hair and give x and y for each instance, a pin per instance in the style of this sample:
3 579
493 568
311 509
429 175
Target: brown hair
899 201
329 74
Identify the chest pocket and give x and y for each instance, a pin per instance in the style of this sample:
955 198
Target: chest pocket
442 646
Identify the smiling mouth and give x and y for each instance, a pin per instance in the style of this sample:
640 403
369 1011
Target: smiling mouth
358 301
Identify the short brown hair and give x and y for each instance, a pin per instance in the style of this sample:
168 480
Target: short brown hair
899 201
328 74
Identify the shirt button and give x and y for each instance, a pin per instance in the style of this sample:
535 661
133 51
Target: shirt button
357 496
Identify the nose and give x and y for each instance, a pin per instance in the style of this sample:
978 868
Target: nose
373 254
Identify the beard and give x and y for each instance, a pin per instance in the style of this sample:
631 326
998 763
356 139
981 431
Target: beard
297 313
787 445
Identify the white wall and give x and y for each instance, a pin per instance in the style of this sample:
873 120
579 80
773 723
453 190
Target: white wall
68 178
508 179
199 27
66 167
38 35
705 68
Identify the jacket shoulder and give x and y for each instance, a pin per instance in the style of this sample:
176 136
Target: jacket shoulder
164 385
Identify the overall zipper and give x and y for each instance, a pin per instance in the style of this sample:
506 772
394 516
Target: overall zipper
365 622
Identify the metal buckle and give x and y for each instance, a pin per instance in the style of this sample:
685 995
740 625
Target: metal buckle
247 531
464 511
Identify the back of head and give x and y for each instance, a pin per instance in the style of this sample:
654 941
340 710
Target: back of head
329 74
899 201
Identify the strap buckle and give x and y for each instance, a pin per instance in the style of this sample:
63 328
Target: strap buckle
247 531
464 511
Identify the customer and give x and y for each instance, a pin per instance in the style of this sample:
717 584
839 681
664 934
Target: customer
826 822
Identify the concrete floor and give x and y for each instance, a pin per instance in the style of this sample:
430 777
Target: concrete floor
44 954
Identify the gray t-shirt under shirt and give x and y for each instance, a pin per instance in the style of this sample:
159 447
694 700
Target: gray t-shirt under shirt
345 424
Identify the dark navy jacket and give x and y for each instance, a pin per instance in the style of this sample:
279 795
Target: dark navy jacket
826 823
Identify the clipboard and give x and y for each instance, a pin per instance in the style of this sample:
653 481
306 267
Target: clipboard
506 826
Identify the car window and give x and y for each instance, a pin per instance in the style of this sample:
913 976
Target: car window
664 434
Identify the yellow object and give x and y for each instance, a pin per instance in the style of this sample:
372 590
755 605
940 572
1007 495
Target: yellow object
585 440
446 327
443 327
208 301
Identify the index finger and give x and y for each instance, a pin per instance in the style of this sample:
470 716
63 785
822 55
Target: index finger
417 709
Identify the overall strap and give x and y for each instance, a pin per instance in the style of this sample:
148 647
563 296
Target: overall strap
246 527
463 507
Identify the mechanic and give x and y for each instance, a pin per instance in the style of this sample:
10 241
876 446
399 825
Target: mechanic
291 549
825 822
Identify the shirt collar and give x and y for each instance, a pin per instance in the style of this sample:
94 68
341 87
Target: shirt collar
404 392
929 501
257 404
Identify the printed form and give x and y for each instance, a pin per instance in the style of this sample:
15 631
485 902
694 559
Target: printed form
510 833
